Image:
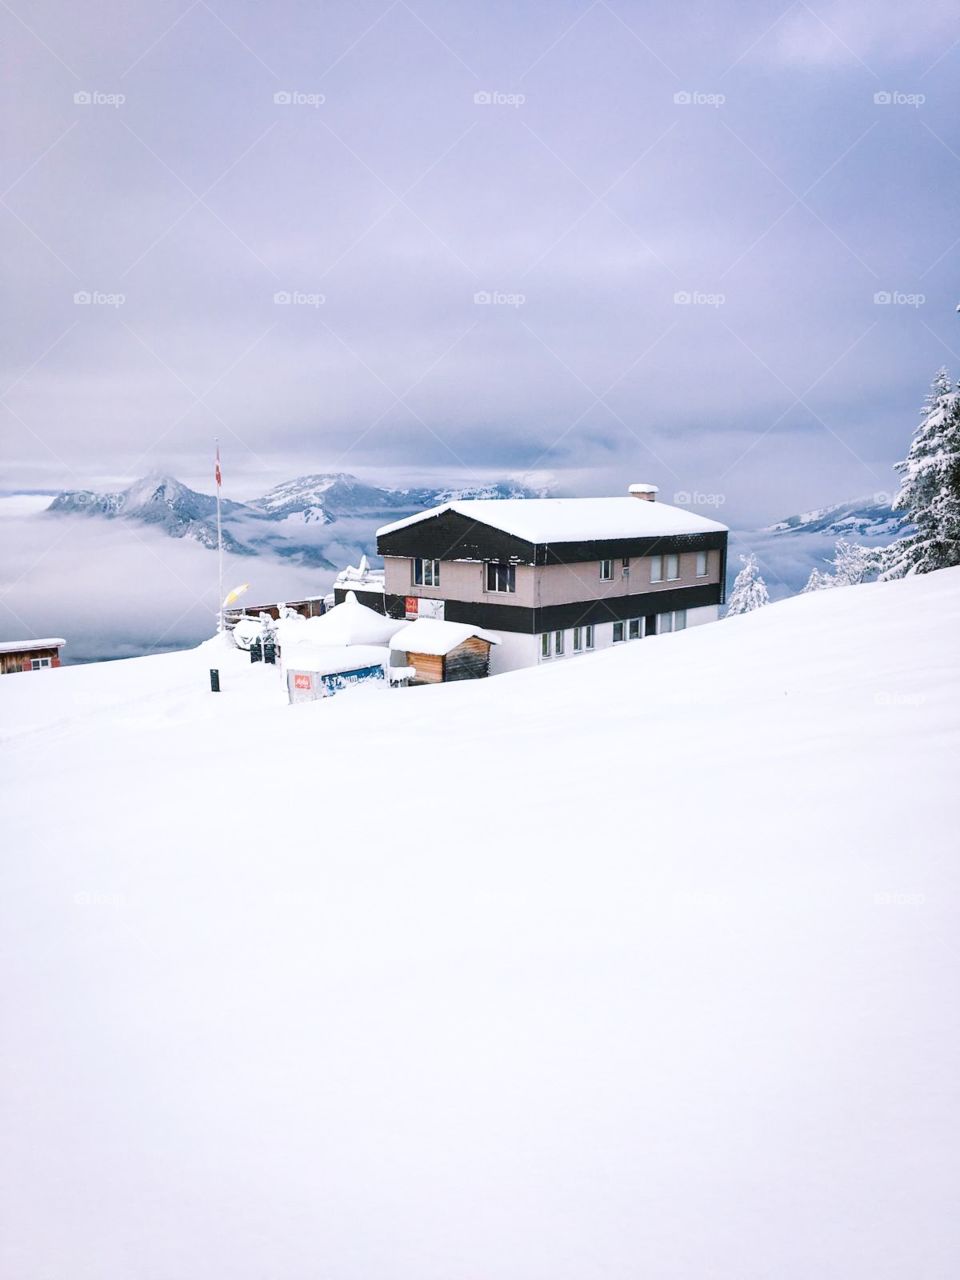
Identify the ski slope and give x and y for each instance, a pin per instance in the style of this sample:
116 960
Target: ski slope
642 964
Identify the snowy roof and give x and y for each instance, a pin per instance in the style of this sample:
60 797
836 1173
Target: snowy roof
328 659
26 646
430 635
545 520
348 623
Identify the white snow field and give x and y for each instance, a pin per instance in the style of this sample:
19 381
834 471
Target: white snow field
640 965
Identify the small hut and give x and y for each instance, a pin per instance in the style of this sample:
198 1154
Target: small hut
30 655
443 651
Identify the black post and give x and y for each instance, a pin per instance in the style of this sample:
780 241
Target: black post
214 680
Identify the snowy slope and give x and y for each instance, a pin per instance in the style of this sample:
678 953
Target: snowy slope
639 965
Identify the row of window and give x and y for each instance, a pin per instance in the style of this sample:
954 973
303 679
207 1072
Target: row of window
655 624
663 568
499 577
503 577
553 644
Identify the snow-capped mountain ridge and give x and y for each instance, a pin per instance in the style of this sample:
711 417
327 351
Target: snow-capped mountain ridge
866 517
155 499
288 521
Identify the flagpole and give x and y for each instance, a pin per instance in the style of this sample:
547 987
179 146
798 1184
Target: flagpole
219 546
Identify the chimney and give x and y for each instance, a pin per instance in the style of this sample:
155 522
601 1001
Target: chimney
646 492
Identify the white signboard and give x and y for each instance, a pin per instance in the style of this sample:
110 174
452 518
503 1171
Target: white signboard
430 608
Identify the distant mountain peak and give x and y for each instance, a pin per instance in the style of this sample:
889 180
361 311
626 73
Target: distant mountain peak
867 517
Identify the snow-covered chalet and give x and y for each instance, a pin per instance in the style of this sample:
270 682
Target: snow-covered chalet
556 577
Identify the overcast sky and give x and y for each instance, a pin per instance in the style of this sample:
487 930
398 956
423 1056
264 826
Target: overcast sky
587 164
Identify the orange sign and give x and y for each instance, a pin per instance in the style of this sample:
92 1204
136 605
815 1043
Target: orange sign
410 605
301 682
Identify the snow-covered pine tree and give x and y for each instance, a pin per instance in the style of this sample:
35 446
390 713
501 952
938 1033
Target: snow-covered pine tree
930 488
852 564
749 589
819 581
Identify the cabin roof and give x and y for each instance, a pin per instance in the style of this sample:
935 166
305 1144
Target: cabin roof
438 638
27 646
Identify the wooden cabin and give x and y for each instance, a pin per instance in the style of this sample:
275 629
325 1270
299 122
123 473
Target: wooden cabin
29 655
443 651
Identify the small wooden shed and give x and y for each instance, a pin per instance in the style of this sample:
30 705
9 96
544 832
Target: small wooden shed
29 655
443 651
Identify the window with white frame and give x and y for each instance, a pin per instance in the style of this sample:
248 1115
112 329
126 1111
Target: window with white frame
501 577
701 564
673 568
606 570
675 621
633 629
625 566
426 573
545 645
588 635
618 632
37 664
656 568
558 643
578 639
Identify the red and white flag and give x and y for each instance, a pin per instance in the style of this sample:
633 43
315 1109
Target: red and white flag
217 469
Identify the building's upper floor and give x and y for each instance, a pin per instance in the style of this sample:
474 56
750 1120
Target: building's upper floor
539 552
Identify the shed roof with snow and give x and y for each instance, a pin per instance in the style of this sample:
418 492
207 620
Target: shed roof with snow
28 646
432 636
